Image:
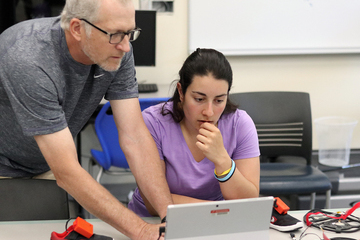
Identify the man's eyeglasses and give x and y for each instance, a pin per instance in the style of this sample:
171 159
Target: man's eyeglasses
115 38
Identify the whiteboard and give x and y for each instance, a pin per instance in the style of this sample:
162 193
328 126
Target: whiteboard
260 27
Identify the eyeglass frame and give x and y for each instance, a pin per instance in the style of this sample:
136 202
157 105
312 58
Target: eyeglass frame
112 34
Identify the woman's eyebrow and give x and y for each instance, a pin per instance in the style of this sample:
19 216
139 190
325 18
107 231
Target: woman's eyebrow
200 93
203 94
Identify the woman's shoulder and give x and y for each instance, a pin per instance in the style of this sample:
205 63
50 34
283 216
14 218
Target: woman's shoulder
238 120
237 115
157 112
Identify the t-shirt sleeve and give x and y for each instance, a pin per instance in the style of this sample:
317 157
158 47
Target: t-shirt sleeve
124 85
247 143
33 97
153 124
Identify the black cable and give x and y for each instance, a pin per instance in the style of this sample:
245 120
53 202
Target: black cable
326 222
342 238
161 231
68 222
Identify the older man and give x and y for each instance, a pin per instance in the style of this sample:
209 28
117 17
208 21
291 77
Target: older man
53 74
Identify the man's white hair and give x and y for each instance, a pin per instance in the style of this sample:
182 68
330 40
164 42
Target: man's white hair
87 9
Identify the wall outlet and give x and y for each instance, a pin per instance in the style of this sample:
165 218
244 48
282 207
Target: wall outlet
163 6
159 6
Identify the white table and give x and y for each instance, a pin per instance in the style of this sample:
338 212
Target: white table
41 230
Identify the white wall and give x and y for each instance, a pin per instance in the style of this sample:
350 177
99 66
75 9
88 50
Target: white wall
333 81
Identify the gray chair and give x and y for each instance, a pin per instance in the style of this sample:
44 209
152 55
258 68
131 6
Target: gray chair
32 199
284 125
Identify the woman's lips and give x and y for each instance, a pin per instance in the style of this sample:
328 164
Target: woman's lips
203 121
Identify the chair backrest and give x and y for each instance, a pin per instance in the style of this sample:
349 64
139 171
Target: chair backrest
32 199
108 136
283 122
147 102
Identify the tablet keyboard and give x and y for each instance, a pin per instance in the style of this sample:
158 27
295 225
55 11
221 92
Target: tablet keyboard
147 87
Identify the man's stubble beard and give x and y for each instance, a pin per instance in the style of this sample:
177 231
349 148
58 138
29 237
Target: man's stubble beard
90 53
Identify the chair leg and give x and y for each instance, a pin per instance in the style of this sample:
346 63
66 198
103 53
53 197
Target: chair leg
99 174
90 166
327 201
312 200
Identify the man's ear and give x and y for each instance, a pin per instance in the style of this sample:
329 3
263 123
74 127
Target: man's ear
75 28
178 86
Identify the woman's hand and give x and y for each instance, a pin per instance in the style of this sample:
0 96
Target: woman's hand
210 142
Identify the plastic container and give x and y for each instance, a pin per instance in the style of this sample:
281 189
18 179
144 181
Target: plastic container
334 137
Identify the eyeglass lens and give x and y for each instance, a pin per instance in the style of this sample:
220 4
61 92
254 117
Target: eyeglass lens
118 37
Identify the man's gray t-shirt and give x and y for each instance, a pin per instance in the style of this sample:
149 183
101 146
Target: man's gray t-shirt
44 90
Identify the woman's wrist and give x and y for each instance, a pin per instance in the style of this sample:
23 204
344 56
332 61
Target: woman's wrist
223 167
226 175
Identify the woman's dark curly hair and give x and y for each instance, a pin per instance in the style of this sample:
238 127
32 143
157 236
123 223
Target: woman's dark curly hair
201 62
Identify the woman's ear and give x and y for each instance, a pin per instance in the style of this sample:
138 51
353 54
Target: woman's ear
178 86
75 28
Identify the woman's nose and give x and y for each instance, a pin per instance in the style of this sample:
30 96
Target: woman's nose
208 110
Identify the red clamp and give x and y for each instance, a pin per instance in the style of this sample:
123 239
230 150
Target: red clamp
280 206
83 227
80 226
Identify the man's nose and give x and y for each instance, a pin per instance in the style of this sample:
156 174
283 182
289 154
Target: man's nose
124 45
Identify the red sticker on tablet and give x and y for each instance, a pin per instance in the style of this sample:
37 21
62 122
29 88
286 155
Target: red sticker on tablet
220 211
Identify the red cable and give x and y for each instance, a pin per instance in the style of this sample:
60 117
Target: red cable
342 216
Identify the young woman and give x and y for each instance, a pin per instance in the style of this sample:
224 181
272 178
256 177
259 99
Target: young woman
209 147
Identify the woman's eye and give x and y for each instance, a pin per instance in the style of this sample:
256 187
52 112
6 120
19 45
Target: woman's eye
198 99
219 100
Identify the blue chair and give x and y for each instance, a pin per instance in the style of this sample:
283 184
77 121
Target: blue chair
106 131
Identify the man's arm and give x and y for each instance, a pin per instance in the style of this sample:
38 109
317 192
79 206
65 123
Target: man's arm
141 153
60 153
177 199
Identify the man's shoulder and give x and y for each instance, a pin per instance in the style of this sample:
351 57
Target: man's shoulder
31 27
29 36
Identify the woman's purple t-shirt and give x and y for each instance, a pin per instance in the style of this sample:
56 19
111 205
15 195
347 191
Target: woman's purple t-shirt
184 175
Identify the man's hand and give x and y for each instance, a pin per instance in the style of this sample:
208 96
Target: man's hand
151 232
